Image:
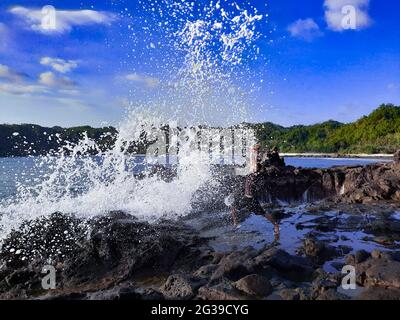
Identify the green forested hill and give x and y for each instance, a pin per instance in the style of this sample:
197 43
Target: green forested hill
29 139
299 138
378 132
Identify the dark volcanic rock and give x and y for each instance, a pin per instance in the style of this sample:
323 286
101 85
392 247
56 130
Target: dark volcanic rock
368 184
360 256
319 251
290 294
123 247
180 287
126 291
313 248
51 239
205 271
384 226
254 285
221 291
357 184
324 286
382 273
379 293
291 267
106 251
372 183
235 265
380 269
331 294
114 256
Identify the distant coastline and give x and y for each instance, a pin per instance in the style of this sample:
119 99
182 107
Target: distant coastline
374 136
336 155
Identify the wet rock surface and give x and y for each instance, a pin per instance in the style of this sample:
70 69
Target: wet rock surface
254 285
379 269
369 184
106 252
117 257
359 184
201 256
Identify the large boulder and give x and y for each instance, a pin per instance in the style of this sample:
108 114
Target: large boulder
345 184
180 287
320 252
93 255
51 239
290 267
371 183
221 291
254 285
380 269
234 265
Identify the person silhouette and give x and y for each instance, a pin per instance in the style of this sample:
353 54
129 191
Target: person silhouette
249 200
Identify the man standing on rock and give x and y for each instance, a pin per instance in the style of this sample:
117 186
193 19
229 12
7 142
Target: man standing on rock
250 200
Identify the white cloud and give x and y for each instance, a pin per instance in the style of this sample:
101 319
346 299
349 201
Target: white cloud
21 89
65 20
306 29
51 80
48 83
149 82
4 71
13 82
334 15
10 75
60 65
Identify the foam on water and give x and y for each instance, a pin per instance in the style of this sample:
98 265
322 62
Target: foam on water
202 71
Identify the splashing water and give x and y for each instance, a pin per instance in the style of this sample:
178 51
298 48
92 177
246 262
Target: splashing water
201 66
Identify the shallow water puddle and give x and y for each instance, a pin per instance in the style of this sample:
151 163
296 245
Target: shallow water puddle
257 232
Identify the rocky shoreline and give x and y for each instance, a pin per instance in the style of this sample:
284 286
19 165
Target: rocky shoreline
367 184
385 156
117 256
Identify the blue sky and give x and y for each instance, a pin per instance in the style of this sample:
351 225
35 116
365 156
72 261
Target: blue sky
97 59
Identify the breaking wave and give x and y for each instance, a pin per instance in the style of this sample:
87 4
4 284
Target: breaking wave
200 60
